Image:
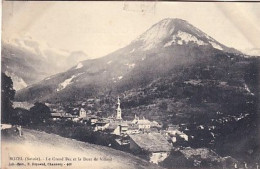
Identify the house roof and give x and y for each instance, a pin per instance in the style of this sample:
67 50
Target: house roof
112 126
155 123
152 142
56 115
93 117
67 115
173 127
90 117
202 152
63 115
82 109
101 122
141 122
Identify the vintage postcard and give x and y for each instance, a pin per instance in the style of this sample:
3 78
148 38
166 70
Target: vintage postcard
130 85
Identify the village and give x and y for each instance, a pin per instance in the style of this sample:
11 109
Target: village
151 140
139 135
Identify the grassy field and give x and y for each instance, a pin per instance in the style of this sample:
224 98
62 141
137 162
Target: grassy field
52 151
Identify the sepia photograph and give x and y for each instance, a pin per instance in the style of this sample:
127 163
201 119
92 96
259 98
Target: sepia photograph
130 85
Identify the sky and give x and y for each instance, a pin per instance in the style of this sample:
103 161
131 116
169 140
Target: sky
98 28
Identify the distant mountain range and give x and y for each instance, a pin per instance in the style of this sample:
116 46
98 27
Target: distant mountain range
27 61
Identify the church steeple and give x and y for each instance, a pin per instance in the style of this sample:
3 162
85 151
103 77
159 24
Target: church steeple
118 110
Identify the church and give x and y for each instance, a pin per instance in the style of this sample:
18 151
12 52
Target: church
118 110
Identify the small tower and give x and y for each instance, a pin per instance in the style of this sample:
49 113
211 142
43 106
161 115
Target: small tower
118 110
136 118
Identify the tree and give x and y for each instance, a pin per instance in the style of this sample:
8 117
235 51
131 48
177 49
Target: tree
22 116
7 97
163 106
40 113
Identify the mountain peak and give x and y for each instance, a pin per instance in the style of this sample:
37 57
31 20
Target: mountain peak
174 31
157 33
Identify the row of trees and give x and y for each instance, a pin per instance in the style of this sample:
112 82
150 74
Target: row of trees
39 113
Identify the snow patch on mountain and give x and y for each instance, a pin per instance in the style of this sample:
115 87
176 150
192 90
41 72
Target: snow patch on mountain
132 50
120 77
214 45
200 33
80 65
213 135
207 36
109 62
201 127
186 37
211 127
21 84
183 37
241 116
170 42
67 82
18 82
64 84
48 78
248 90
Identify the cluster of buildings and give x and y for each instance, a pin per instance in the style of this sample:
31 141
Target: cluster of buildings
140 135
